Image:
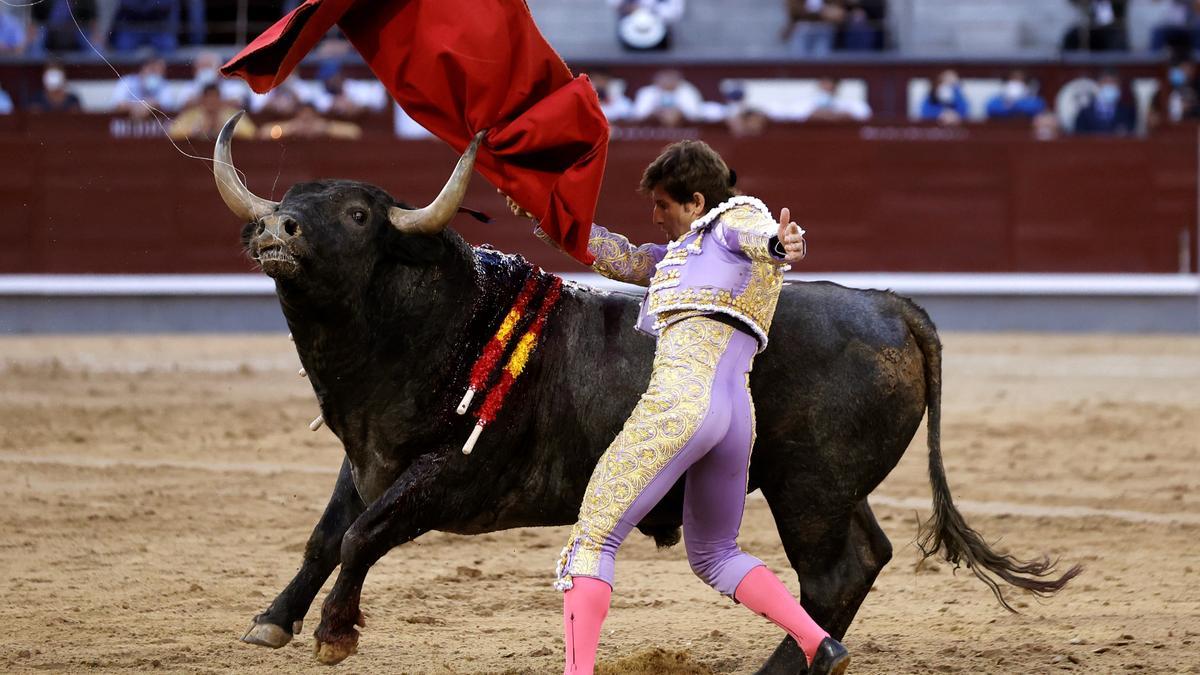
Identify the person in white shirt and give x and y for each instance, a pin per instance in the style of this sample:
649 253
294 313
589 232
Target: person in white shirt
148 86
670 100
611 92
204 73
827 105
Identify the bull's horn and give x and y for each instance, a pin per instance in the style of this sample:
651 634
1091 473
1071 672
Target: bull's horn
244 203
434 218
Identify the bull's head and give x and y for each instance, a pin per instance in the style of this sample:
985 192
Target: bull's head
332 222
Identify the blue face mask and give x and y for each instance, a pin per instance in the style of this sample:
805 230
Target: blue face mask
1177 77
1109 93
152 82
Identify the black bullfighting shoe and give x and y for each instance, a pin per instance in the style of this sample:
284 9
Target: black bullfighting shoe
831 658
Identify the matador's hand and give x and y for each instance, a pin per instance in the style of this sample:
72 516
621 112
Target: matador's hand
791 237
516 208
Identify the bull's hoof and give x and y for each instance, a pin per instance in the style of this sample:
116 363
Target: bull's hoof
267 635
334 652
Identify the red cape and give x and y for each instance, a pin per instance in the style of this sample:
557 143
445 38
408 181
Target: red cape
458 67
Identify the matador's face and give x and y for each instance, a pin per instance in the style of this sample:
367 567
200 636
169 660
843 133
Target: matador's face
673 217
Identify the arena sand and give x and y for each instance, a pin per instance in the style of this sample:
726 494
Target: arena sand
157 493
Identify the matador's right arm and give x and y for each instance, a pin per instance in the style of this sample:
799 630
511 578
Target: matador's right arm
616 257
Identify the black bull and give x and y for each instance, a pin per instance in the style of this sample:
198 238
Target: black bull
387 324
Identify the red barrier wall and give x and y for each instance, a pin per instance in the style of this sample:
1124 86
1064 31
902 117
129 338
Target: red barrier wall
978 199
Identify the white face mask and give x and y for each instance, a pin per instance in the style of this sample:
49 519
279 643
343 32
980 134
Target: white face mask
206 76
945 93
53 79
1014 89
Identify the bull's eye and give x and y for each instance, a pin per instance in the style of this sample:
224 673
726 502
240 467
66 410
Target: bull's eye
359 216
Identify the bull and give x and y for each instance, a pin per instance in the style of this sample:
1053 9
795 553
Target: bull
388 307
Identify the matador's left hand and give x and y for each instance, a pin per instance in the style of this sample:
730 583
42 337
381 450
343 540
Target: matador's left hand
792 237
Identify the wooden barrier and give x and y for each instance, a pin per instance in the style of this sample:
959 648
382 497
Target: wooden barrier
975 199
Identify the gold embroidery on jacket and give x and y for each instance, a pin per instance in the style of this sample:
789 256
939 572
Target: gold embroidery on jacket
754 231
618 259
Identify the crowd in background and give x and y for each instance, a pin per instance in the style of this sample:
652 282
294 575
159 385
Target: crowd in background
329 104
812 28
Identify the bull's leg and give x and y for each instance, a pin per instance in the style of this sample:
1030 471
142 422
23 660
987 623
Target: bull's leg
284 617
406 511
836 562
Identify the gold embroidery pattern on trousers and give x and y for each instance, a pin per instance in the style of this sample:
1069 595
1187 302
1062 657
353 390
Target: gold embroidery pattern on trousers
662 422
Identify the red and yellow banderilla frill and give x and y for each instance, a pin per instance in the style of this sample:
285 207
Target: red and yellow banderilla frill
486 363
515 366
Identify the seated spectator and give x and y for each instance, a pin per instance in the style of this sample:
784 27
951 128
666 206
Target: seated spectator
1101 28
6 104
811 26
829 106
54 95
284 100
12 33
1179 31
670 100
945 103
203 119
308 123
204 73
732 103
1046 126
861 29
153 23
1019 99
748 122
646 24
148 86
1109 111
1180 98
342 97
54 25
613 101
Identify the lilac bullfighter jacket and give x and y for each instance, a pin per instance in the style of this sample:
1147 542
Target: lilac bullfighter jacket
730 262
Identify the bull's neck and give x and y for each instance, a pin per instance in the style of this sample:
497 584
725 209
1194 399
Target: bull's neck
403 350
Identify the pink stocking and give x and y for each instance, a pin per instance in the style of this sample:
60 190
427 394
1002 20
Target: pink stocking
763 593
585 605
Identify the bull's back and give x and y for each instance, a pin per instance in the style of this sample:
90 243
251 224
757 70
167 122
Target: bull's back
840 390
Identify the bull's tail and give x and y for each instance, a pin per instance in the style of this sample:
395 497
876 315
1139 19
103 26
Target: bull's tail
946 531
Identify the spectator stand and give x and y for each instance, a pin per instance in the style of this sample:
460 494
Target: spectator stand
1065 103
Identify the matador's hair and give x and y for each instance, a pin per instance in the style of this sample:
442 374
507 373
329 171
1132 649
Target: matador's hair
688 167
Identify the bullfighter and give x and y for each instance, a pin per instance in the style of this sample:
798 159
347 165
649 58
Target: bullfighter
711 298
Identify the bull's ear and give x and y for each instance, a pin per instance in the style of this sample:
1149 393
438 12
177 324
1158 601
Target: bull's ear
415 249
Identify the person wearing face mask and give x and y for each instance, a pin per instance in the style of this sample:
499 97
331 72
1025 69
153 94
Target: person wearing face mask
204 73
148 86
829 106
1108 112
1179 100
945 103
1017 100
54 95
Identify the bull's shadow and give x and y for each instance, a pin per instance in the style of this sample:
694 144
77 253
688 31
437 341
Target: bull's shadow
389 309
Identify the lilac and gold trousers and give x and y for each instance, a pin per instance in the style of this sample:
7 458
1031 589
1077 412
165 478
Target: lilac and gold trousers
696 418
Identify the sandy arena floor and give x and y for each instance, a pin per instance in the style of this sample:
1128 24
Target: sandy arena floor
157 493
